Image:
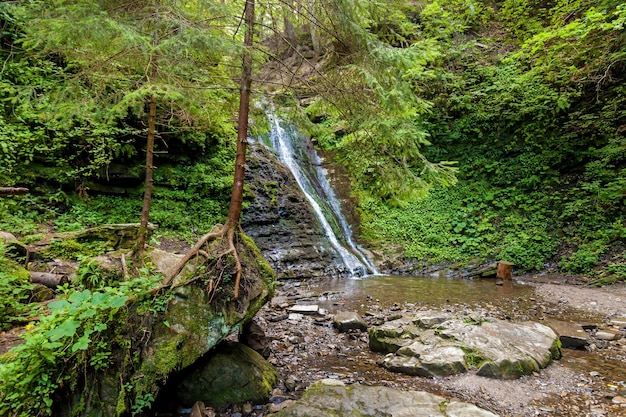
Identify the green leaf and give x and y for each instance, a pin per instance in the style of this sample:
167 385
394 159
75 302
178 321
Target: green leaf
82 343
58 305
100 327
118 301
67 329
80 297
87 313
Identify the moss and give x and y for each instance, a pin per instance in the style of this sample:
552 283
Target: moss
507 369
473 357
167 356
555 349
268 274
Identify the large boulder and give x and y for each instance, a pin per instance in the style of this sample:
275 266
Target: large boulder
164 333
437 344
329 397
232 374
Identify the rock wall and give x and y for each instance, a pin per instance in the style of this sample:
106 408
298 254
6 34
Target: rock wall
282 223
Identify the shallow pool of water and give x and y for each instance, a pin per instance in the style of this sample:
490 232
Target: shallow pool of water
385 291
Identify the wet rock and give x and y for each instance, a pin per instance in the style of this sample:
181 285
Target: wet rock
329 397
282 222
348 320
304 309
253 336
619 322
571 335
498 348
608 334
274 408
234 373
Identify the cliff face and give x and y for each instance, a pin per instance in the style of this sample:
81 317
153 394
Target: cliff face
282 223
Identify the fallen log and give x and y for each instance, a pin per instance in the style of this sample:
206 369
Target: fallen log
7 191
48 279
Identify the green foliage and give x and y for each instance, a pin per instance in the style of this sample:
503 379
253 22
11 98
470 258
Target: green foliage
71 104
537 130
77 336
15 292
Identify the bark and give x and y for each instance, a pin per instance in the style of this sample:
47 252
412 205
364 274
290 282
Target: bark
290 30
236 199
226 247
7 191
48 279
315 36
147 196
505 270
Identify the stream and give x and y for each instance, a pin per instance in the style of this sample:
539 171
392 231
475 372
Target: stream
307 348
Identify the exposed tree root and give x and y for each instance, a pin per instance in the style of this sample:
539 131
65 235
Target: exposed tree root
214 253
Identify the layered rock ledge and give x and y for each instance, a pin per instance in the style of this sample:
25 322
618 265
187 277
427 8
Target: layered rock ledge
435 343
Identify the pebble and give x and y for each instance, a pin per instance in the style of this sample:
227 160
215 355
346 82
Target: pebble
274 408
619 400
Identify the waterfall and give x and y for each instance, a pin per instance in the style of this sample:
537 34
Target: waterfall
290 149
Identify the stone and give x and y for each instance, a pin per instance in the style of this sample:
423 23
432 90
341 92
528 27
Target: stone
619 322
571 335
274 408
233 373
41 293
497 348
304 308
619 400
197 410
348 320
328 398
608 334
427 360
295 317
253 336
247 409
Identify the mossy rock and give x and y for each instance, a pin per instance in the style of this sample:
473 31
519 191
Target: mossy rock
231 374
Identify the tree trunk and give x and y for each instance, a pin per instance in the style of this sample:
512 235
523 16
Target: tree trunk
236 199
505 270
7 191
315 35
290 30
147 196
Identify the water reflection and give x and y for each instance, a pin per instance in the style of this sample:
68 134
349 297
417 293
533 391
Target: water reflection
386 290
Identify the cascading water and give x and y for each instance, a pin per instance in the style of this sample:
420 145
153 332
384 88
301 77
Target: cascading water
289 147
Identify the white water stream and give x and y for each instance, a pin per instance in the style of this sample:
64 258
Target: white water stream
290 149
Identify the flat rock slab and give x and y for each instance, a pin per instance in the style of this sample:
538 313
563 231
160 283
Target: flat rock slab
571 335
304 309
431 344
328 398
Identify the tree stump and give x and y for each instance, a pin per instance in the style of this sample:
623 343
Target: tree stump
505 270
